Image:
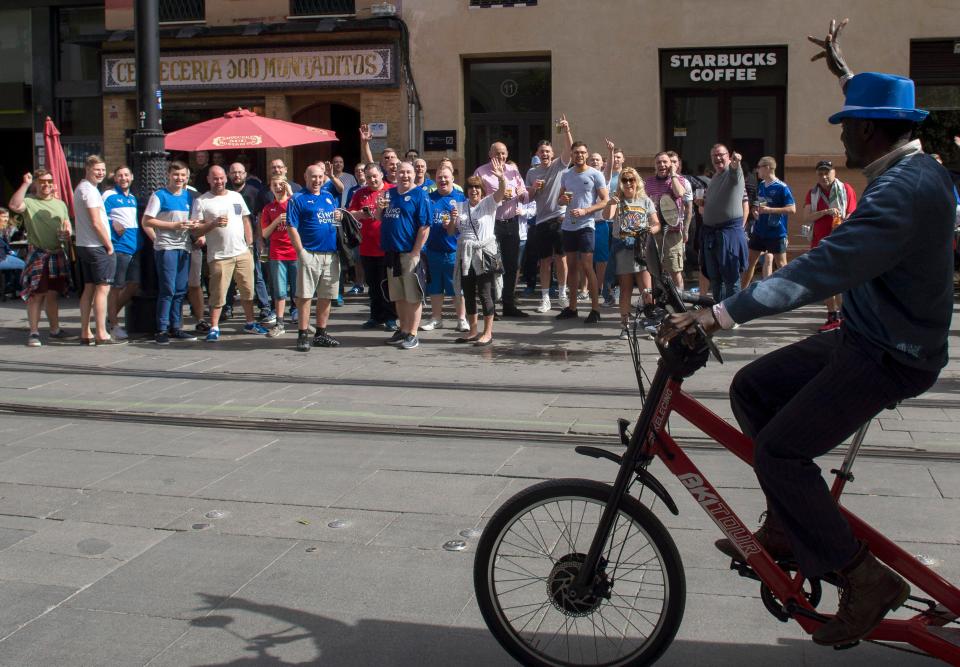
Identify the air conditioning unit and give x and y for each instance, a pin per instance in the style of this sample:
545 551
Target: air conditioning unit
383 9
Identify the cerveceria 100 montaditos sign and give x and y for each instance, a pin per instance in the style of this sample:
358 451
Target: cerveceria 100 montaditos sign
734 66
271 69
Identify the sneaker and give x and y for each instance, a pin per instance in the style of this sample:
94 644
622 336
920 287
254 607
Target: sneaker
462 326
202 327
624 332
829 325
593 317
564 300
544 306
293 316
226 313
162 338
370 324
616 294
610 302
338 302
410 342
513 311
431 325
213 336
390 325
118 332
311 329
322 339
33 340
60 334
567 314
356 289
652 329
397 338
182 335
254 328
583 297
529 291
303 342
276 331
267 317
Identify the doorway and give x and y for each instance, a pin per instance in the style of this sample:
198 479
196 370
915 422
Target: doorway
750 121
508 100
343 120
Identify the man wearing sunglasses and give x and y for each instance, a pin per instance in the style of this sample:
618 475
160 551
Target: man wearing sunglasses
47 274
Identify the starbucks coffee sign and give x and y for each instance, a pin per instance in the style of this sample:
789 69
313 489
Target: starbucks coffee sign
732 67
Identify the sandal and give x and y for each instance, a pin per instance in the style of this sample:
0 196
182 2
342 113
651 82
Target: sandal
471 339
87 341
483 343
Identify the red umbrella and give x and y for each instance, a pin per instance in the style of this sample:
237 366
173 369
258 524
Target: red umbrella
57 163
244 129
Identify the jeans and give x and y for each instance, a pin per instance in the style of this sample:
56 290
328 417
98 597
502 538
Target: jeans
173 273
508 238
12 263
800 402
375 271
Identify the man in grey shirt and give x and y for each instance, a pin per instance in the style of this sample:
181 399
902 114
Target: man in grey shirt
725 213
543 185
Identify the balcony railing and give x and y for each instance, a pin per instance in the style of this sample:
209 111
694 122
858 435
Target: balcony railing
182 11
304 8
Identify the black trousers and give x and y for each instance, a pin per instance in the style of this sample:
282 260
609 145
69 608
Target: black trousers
375 272
531 258
508 238
800 402
472 284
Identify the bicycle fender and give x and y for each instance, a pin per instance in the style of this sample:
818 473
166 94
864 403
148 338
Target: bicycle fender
646 479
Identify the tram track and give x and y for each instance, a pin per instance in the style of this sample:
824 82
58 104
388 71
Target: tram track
289 425
277 378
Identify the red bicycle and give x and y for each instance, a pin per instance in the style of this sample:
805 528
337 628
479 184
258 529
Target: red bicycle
577 572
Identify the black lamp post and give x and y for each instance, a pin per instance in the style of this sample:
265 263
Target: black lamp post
149 156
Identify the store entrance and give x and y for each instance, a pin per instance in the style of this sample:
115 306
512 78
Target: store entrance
17 159
750 121
343 120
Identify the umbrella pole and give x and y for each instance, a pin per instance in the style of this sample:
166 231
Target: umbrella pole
149 156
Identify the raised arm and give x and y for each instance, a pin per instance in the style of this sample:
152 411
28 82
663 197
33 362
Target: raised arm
496 166
831 51
608 169
567 153
16 201
365 136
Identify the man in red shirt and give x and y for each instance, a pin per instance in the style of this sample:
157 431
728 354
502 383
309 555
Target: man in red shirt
364 207
829 203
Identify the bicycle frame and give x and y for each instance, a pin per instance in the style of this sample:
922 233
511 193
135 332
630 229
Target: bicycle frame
650 438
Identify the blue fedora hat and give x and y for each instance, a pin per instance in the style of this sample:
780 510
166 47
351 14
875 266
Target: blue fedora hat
875 95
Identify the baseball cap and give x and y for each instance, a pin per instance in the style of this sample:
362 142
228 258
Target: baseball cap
824 164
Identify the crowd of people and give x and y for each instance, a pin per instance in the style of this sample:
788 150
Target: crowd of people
581 227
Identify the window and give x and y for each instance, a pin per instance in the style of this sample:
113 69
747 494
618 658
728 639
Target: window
182 11
935 67
310 8
502 3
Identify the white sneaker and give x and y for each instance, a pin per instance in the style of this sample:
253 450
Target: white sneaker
119 333
564 300
431 325
462 326
544 306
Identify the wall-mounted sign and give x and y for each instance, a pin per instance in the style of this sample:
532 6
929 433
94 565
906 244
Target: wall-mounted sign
440 140
378 130
339 67
731 67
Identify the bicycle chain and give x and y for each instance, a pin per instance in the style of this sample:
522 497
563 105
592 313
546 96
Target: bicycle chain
925 612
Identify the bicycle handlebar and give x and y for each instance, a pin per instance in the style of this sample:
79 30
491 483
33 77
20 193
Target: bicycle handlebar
697 299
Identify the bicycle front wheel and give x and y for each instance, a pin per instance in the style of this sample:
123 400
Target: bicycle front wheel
530 553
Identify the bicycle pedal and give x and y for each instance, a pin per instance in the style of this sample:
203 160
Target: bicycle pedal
844 647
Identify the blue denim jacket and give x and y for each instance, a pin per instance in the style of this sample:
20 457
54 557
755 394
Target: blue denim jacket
892 260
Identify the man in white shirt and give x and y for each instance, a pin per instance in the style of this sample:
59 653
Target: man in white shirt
98 264
225 223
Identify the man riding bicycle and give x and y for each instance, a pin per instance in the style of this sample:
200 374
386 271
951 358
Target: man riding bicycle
893 260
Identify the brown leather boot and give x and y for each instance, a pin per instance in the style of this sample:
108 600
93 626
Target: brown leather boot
770 536
868 590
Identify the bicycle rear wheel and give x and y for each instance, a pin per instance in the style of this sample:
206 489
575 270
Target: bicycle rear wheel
529 554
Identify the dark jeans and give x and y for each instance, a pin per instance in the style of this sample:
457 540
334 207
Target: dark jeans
508 238
173 273
375 272
800 402
473 284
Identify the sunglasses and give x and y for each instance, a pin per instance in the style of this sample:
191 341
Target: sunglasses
629 180
45 181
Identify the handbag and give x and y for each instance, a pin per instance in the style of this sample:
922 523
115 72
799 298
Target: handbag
489 262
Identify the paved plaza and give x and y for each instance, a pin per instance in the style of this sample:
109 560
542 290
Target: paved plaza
245 504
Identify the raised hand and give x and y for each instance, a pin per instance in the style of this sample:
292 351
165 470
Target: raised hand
496 166
735 157
564 123
831 49
28 179
365 134
609 143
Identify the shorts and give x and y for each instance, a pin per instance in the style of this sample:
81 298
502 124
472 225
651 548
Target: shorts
673 251
133 271
548 240
405 286
196 264
122 275
222 271
776 246
96 266
318 274
440 267
626 262
283 277
578 240
601 241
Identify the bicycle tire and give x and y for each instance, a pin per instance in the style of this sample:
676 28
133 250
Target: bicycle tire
531 512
